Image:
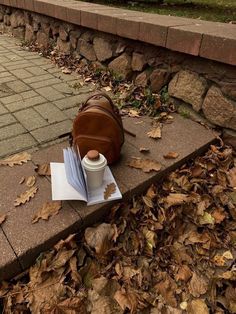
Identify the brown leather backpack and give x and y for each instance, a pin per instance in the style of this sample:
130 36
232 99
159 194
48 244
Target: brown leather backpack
98 126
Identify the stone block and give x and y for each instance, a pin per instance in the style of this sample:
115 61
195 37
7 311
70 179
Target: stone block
42 39
102 48
25 103
138 61
17 19
141 79
218 109
63 46
158 79
190 87
30 35
7 119
121 65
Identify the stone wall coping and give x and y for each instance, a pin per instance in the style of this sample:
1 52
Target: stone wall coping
211 40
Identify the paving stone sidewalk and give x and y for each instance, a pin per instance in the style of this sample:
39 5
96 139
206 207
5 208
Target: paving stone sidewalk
37 101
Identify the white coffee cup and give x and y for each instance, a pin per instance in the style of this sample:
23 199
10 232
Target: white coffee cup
94 164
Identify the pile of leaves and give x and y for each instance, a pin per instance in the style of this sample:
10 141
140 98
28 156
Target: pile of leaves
171 250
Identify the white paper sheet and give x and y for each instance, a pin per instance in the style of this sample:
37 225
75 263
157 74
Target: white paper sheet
61 189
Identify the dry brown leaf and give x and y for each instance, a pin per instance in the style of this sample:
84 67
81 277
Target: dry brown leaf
47 210
75 276
25 196
151 192
146 165
126 300
61 259
155 132
219 215
175 199
167 288
17 159
22 180
147 201
66 71
232 177
100 237
221 259
133 113
30 181
197 285
197 306
3 217
184 273
109 190
144 150
43 170
107 88
171 155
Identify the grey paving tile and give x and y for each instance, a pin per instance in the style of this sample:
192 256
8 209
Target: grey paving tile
38 78
71 112
18 97
45 83
3 110
11 130
15 144
50 112
52 131
35 70
18 86
49 93
22 104
72 101
21 73
30 119
6 119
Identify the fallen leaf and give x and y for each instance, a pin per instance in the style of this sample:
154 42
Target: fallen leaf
25 196
146 165
22 180
133 113
61 259
151 192
155 132
228 255
197 306
2 218
175 199
43 170
109 190
171 155
183 305
30 181
66 71
150 237
47 210
17 159
206 219
144 150
167 288
107 88
148 201
75 276
100 237
219 215
126 300
197 285
184 273
232 177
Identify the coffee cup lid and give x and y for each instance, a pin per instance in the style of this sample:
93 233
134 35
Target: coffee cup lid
93 160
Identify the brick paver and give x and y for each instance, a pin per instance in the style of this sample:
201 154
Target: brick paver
37 101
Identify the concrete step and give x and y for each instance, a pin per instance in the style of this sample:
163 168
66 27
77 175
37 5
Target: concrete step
23 241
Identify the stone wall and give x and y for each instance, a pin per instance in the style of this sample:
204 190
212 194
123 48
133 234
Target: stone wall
209 87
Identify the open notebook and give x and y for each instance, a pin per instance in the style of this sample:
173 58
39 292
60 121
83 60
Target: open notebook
69 181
